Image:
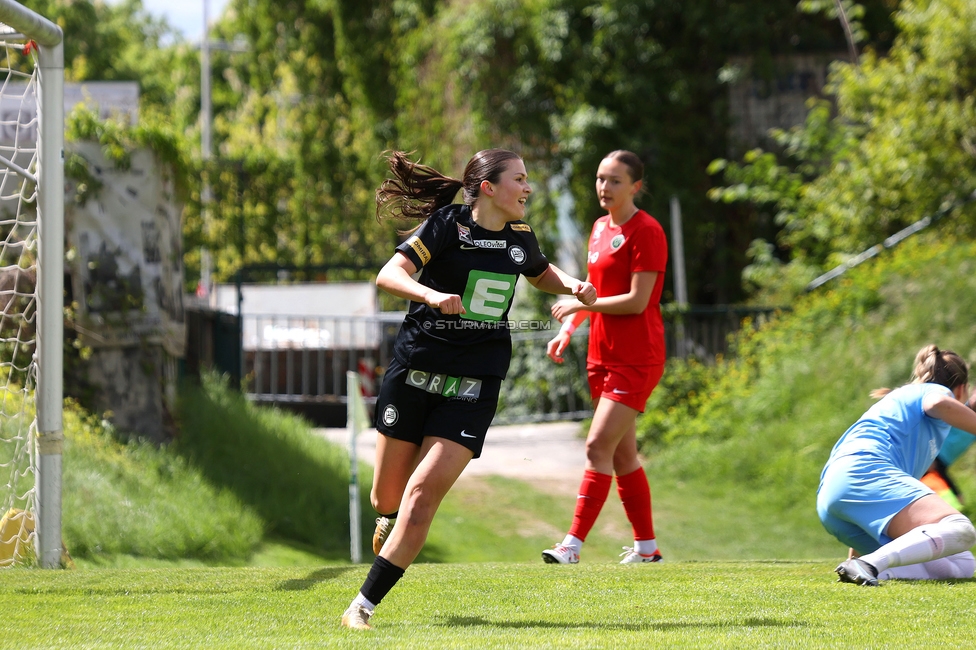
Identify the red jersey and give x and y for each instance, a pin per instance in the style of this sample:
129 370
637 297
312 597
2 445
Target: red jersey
614 254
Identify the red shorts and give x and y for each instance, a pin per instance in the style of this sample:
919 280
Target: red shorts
629 385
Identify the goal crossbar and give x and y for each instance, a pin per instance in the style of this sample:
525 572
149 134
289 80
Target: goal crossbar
29 24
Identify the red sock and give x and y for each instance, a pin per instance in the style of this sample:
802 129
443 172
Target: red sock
636 496
593 493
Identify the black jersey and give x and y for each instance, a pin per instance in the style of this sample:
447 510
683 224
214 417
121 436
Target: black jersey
482 266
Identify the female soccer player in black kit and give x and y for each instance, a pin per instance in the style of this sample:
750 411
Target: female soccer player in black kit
440 390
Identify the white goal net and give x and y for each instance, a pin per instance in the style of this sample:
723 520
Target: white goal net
31 278
18 274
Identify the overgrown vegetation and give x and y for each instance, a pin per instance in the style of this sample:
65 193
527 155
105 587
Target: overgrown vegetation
896 143
306 95
765 420
734 451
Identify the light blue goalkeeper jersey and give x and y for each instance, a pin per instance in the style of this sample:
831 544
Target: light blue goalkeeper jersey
896 429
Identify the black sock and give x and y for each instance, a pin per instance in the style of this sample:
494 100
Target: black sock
393 516
381 578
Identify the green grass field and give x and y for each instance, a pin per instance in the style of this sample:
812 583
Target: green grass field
237 536
506 519
512 520
485 605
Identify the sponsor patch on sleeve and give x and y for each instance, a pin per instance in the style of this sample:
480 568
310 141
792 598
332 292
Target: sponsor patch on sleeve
521 227
464 234
419 248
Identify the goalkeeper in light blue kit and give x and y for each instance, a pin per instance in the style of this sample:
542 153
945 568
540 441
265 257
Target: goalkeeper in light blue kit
937 478
870 496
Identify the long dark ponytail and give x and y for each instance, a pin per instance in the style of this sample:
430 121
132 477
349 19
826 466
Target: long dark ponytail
416 191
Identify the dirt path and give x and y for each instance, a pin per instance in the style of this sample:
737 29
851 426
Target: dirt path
549 455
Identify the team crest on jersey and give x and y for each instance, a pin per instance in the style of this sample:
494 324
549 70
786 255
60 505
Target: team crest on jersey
617 242
464 234
390 415
521 227
517 253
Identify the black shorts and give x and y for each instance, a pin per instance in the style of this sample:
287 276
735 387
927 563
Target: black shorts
414 404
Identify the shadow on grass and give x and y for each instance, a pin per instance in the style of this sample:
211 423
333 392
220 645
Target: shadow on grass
314 578
478 621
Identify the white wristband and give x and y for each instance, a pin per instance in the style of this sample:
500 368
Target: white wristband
568 327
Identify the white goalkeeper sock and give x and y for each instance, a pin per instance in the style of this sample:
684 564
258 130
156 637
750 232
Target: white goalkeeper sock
958 566
953 534
574 543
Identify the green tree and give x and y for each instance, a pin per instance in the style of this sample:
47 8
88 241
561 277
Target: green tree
896 145
570 80
302 113
310 93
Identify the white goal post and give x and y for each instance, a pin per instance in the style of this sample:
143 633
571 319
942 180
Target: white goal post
31 280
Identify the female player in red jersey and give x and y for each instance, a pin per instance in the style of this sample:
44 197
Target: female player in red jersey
626 260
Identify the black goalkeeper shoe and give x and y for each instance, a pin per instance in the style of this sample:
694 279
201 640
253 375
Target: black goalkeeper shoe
858 572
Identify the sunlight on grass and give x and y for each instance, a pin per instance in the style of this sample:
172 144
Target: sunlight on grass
486 605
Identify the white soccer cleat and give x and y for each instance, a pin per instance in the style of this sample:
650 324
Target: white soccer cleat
631 556
560 554
357 618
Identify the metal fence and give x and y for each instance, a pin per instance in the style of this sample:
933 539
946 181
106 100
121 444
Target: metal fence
537 390
301 362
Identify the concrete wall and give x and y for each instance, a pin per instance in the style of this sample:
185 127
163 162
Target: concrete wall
125 262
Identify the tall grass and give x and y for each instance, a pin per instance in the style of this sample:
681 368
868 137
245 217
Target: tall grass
237 477
296 481
134 499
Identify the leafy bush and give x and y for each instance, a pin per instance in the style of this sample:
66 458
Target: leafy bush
686 386
537 385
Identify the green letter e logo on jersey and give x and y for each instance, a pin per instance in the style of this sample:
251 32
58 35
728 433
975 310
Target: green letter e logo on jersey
487 295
